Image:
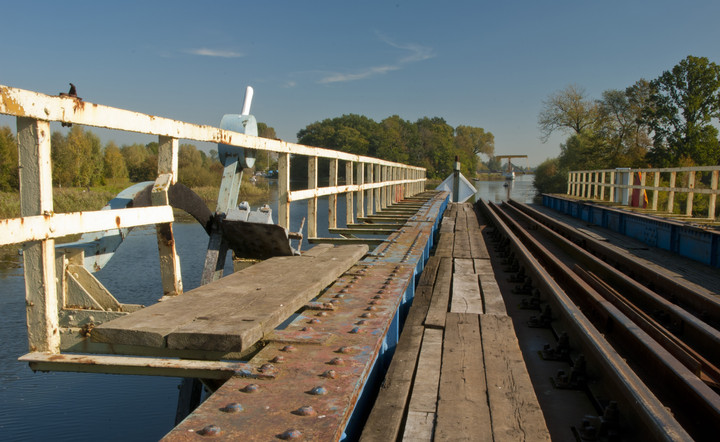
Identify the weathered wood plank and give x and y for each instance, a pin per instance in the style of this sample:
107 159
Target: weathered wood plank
463 412
430 271
386 418
514 408
234 312
423 398
461 245
478 248
492 297
419 426
466 297
444 246
441 295
463 266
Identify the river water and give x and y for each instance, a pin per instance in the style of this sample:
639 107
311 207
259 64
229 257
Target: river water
79 406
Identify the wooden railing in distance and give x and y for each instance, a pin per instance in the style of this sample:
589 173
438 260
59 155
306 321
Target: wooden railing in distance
39 225
620 183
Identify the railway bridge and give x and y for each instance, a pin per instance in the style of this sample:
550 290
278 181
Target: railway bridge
418 319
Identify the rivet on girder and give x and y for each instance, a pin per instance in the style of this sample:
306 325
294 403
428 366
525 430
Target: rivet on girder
278 359
330 374
361 322
288 348
314 321
371 308
381 291
374 302
250 388
266 367
366 315
210 430
321 314
344 349
233 407
290 434
377 297
306 329
336 361
306 410
318 391
355 330
339 295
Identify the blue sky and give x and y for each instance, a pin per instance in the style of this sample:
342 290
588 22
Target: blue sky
477 63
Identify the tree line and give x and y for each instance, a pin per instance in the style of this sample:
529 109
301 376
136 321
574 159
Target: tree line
669 121
81 160
428 142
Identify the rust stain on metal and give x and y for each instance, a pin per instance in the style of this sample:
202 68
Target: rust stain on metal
9 104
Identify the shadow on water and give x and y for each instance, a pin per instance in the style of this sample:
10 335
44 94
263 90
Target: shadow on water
78 406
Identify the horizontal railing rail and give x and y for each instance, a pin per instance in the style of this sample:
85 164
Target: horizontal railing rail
374 183
627 186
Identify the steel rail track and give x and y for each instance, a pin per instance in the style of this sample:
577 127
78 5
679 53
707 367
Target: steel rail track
639 403
702 337
702 305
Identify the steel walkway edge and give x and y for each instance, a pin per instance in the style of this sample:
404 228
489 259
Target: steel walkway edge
697 243
316 378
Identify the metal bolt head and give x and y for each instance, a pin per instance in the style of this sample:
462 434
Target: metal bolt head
266 367
337 361
321 314
288 348
344 350
290 434
318 391
305 329
340 295
250 388
371 308
305 410
278 359
314 321
233 407
330 374
377 297
361 322
210 430
366 315
355 330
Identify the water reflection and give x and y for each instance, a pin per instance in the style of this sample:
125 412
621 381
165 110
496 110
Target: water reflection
520 189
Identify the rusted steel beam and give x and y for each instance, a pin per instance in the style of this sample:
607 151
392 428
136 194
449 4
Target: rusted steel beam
320 384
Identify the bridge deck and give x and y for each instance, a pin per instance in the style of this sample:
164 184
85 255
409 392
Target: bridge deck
458 372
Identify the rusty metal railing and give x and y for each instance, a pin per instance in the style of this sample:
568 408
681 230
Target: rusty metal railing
629 187
374 184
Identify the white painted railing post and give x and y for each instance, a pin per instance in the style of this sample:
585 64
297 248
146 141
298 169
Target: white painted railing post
349 206
671 193
378 177
284 190
332 199
36 198
312 202
656 184
602 186
691 195
612 187
360 194
370 192
171 276
713 196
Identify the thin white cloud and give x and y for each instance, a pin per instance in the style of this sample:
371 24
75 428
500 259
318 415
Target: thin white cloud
416 53
206 52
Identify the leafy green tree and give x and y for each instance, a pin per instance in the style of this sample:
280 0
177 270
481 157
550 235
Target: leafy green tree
350 133
683 104
568 110
617 134
398 139
77 158
550 177
437 146
114 162
265 160
9 179
141 163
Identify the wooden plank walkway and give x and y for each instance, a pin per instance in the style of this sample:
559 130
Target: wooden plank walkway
458 372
